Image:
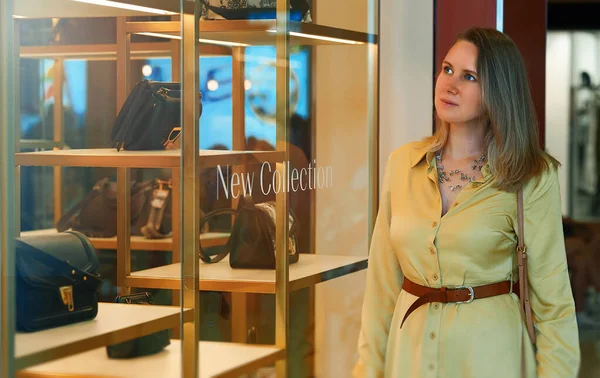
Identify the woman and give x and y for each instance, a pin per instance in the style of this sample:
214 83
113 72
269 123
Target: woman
447 219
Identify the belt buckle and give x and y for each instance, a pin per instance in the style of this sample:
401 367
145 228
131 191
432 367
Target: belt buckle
470 291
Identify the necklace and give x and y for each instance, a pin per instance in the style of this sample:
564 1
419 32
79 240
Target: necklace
444 177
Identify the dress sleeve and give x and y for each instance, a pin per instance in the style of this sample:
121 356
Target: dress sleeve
384 282
552 304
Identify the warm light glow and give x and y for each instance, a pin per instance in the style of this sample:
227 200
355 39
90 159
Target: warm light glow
212 85
201 40
16 16
116 4
247 84
320 37
147 70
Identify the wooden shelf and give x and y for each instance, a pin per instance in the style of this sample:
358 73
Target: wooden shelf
308 271
140 243
141 50
257 32
110 157
217 360
115 323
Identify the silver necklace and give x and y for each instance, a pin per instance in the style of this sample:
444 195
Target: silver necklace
444 177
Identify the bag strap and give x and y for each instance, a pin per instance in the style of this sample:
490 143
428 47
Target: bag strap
525 304
66 221
155 218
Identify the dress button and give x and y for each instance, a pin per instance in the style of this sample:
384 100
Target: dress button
434 224
436 305
432 335
431 366
432 250
435 277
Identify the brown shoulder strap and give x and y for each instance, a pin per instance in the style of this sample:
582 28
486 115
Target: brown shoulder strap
523 276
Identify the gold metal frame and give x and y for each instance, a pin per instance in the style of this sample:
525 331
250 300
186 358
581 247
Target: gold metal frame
8 101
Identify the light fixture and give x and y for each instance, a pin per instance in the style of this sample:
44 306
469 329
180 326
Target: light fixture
247 84
320 37
116 4
212 85
17 16
201 40
147 70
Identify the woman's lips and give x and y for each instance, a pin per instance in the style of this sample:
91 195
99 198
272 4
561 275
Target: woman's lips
448 102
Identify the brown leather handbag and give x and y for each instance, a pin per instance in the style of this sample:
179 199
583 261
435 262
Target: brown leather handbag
523 283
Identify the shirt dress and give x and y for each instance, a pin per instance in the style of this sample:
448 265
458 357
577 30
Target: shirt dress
473 244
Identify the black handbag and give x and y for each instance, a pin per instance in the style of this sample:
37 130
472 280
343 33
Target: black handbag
150 119
251 244
144 345
253 10
57 280
96 214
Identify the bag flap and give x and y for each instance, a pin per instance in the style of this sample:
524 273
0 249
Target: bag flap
71 246
41 269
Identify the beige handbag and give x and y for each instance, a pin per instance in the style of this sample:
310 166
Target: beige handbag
523 284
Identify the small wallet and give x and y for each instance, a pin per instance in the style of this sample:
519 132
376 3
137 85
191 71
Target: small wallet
144 345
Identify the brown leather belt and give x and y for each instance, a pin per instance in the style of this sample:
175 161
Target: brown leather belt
458 294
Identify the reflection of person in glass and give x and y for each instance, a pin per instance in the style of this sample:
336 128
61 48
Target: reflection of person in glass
446 233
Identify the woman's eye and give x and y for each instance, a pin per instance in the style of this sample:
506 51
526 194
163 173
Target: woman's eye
447 70
470 77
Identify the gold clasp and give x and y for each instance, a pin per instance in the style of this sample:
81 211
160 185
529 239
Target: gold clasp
66 293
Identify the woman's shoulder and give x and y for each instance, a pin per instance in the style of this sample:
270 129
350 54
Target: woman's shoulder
547 180
409 152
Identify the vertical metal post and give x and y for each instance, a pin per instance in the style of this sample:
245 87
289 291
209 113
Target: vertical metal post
123 174
239 301
191 189
282 119
58 135
373 114
7 189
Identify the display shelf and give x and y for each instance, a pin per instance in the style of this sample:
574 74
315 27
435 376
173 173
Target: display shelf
140 243
309 270
71 8
217 360
256 32
114 323
139 50
110 157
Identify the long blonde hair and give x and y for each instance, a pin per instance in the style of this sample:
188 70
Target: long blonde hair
514 154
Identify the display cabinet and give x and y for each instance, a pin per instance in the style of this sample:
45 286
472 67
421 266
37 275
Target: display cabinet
183 35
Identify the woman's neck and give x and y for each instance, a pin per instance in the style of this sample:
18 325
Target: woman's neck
464 141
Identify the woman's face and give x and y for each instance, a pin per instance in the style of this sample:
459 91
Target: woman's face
457 90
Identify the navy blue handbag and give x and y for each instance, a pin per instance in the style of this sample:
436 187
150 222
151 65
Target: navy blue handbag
57 280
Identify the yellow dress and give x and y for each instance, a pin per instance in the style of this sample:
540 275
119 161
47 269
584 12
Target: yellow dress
472 244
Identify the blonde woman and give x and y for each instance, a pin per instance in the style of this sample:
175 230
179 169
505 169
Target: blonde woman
446 229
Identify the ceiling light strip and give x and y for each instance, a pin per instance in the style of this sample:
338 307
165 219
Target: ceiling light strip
321 38
116 4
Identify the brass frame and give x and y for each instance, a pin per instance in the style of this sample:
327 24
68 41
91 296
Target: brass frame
8 174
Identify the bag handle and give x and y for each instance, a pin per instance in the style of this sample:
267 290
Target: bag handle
66 221
220 250
525 304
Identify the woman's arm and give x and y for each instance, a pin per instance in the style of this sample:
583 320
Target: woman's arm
384 282
551 297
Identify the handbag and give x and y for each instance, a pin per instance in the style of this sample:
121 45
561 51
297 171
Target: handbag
150 119
144 345
251 244
56 280
96 214
525 304
252 10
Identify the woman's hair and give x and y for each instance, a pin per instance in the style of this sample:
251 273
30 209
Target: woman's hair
514 155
